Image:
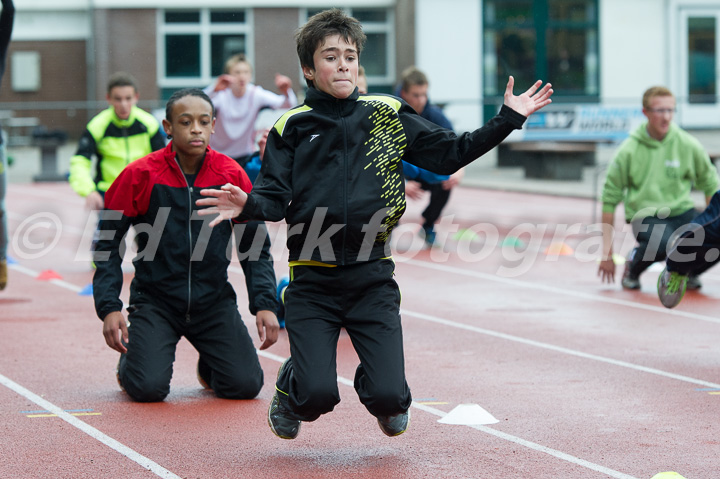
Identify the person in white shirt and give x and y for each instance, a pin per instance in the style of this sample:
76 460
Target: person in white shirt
238 102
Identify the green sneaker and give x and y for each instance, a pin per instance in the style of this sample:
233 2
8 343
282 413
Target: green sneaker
281 424
671 288
394 425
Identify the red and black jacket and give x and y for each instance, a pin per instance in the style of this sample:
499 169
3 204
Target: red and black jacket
181 262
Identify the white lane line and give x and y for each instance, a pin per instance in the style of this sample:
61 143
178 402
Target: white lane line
89 430
53 195
534 446
507 437
560 349
559 290
488 332
68 228
499 434
34 274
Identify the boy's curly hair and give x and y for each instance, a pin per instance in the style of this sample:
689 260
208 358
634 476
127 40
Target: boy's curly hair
321 25
180 94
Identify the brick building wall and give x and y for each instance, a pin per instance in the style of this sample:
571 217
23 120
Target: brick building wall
275 46
63 79
125 40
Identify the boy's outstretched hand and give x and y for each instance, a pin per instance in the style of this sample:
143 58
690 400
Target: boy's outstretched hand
227 203
530 101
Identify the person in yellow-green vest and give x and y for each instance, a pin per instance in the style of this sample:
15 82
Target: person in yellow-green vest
118 135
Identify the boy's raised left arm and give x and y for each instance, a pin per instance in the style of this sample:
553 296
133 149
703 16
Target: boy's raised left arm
442 151
533 99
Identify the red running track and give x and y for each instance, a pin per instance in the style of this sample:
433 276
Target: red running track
586 380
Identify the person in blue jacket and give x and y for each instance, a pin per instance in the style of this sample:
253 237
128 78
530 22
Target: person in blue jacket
414 90
410 171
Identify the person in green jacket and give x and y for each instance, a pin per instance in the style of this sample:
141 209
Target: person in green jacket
116 136
652 174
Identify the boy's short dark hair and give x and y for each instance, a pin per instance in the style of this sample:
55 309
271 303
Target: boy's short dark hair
121 79
412 76
182 94
321 25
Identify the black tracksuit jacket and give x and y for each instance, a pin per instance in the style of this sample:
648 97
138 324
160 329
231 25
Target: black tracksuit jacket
332 168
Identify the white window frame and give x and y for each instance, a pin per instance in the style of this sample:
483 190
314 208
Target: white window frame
205 29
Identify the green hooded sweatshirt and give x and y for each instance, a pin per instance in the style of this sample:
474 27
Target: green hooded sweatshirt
648 175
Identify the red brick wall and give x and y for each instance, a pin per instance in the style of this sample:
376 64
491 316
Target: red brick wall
63 79
275 47
125 40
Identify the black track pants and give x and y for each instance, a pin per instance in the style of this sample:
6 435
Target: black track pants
365 300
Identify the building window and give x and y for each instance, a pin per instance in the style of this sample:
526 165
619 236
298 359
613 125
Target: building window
555 40
702 54
194 44
378 56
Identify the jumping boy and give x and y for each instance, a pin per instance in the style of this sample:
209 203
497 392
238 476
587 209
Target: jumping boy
181 286
333 170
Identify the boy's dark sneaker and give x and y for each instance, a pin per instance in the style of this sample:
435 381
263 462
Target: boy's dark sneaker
394 425
693 283
429 235
628 280
671 288
203 374
281 424
117 375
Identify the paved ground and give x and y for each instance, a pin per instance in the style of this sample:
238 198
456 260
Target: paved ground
586 381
